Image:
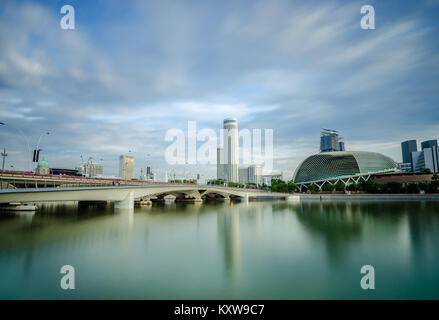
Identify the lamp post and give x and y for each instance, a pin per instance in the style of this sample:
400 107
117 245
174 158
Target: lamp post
4 155
37 150
39 139
25 139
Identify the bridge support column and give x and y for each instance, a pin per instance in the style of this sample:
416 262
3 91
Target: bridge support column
127 203
143 202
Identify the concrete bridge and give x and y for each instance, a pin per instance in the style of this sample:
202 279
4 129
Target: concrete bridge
124 196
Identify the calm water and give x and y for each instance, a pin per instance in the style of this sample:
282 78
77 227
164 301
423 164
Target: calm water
260 250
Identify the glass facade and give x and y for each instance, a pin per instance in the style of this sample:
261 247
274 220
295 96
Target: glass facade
429 144
407 147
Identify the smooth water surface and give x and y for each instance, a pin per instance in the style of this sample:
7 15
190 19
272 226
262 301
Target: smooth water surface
258 250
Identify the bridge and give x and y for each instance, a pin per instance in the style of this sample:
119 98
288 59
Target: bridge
19 179
124 196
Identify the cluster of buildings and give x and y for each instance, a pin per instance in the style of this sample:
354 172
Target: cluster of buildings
93 170
228 169
331 141
418 161
88 169
332 163
228 158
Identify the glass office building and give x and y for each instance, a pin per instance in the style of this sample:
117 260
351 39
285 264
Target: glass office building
407 147
428 144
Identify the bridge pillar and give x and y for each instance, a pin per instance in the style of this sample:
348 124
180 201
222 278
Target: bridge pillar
127 203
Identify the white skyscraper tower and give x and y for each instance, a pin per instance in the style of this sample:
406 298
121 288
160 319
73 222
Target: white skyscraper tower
229 154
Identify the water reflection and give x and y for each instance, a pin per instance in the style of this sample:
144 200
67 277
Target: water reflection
339 224
232 248
423 224
228 237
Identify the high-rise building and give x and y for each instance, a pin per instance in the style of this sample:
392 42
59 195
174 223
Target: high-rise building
220 165
251 174
243 175
228 156
93 169
341 145
330 141
407 147
255 174
428 144
428 158
126 167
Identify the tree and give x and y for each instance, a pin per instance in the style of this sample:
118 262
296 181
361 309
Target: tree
423 186
352 186
339 186
393 187
412 187
278 185
330 187
369 186
291 187
433 186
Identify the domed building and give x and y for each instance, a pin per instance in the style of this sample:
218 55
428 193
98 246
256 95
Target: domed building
42 167
338 165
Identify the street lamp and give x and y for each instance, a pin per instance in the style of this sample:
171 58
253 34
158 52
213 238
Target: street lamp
24 137
37 150
39 139
4 155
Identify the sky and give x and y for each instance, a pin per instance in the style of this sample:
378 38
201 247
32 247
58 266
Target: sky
131 70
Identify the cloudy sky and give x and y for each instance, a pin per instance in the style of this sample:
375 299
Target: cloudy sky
131 70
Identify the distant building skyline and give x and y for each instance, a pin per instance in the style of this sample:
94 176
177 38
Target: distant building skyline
330 141
228 156
428 144
407 147
251 174
89 87
426 158
126 167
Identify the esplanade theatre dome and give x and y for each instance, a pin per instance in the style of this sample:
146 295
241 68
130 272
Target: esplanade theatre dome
333 165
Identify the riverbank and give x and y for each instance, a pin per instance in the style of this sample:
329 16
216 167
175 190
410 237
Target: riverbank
379 197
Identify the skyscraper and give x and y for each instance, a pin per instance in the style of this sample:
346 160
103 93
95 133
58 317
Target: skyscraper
341 146
93 169
255 174
407 147
220 165
126 167
428 158
228 156
428 144
330 141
